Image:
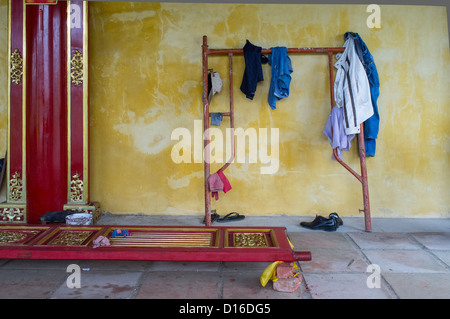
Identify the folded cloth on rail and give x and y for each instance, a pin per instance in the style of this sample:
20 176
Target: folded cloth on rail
215 183
281 75
253 69
120 233
101 241
226 183
218 182
335 131
216 118
214 84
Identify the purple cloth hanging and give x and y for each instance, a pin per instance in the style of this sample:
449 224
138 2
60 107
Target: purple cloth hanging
335 131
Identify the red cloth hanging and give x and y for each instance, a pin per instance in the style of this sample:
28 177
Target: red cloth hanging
218 182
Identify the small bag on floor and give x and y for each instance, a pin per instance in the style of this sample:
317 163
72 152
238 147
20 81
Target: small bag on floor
79 219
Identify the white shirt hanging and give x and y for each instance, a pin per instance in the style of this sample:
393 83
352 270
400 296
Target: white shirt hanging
351 89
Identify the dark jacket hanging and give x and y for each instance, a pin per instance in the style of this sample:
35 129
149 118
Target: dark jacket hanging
253 70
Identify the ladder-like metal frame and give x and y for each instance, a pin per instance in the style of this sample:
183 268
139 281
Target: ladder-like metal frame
206 52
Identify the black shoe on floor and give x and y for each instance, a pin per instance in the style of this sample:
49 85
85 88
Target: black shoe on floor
321 223
338 219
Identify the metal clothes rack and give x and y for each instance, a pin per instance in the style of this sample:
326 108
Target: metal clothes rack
206 52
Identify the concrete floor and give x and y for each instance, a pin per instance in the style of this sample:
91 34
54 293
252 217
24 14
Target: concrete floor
401 258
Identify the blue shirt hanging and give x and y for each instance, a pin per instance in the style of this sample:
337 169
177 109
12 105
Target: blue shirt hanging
371 125
281 75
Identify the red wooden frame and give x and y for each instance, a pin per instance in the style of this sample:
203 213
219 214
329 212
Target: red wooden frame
77 100
40 242
15 209
47 157
46 109
41 1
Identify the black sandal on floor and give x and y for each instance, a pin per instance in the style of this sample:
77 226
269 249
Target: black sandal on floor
230 217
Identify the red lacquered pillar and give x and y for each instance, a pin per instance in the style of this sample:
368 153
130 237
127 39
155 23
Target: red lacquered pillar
46 109
14 210
47 155
78 109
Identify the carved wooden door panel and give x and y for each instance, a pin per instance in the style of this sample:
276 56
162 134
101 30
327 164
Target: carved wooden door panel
47 156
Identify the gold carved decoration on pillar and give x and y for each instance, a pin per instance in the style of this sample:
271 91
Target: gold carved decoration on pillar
76 68
11 214
16 67
15 187
76 188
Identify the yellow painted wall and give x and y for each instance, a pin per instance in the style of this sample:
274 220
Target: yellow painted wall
145 81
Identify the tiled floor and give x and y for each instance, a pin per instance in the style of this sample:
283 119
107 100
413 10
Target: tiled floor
400 258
